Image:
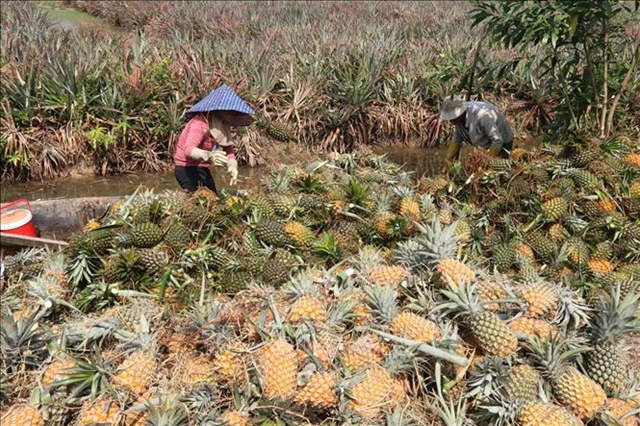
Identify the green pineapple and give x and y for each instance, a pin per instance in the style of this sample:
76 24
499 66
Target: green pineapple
504 256
543 246
522 383
143 235
555 208
233 282
585 179
604 249
614 317
283 205
583 157
153 260
271 232
276 272
492 335
177 235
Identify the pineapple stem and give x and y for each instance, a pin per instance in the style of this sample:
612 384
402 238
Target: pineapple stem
533 223
424 348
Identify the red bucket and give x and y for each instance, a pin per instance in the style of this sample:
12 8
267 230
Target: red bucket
16 218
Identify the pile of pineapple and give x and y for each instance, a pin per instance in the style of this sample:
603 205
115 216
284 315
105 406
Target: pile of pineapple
346 291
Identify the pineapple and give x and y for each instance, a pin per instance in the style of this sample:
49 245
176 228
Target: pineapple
541 298
537 413
234 418
408 205
522 383
615 316
22 415
632 159
372 394
198 369
554 209
543 246
578 393
532 327
278 364
227 365
137 371
624 412
382 302
504 256
308 304
600 266
301 235
145 235
271 232
319 391
101 411
392 275
492 335
57 370
436 249
489 291
365 351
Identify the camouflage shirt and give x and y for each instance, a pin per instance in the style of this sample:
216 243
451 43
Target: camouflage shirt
485 126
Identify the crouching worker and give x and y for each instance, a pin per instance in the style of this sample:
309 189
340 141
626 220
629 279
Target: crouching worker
206 139
479 123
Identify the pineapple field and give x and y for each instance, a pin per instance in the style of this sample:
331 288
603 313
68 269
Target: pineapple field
344 291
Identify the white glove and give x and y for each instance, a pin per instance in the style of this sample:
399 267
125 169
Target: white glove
200 155
232 168
218 158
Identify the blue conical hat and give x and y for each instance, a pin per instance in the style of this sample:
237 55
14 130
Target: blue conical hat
224 98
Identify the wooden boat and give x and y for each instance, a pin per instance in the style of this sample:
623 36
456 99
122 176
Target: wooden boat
55 220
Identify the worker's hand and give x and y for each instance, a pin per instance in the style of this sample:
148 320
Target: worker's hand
495 151
232 168
218 158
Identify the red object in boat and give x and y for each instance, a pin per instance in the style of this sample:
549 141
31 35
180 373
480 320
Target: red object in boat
16 218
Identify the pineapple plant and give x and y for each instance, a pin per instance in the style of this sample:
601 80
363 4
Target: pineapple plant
372 394
489 332
300 234
408 206
384 307
615 316
578 393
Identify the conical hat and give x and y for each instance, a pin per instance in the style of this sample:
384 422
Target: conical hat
224 98
452 108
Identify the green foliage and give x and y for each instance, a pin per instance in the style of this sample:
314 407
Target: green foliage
580 50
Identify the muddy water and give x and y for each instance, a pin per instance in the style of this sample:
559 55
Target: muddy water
419 160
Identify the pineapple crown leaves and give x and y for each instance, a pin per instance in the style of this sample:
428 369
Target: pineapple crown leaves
23 339
488 377
438 242
572 311
462 300
555 353
615 316
302 283
167 411
89 376
382 301
38 288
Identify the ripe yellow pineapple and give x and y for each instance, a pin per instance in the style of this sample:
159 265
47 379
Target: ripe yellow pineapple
137 371
235 418
600 265
372 394
227 365
198 369
541 298
607 206
319 391
300 234
532 327
366 350
525 251
557 232
308 308
632 159
383 304
538 413
381 223
101 411
278 364
455 272
308 303
575 391
408 206
393 275
619 408
488 291
22 415
57 370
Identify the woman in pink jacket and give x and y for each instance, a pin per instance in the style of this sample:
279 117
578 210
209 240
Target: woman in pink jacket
206 139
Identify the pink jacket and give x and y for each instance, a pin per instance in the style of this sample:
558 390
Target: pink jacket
196 135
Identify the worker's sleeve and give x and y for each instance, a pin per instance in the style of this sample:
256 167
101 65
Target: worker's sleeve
490 129
197 130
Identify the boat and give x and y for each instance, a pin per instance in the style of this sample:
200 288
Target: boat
55 220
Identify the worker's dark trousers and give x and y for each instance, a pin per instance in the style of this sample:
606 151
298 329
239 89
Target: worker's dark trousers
192 177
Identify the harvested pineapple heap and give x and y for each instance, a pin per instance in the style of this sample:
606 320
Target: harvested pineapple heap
345 292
